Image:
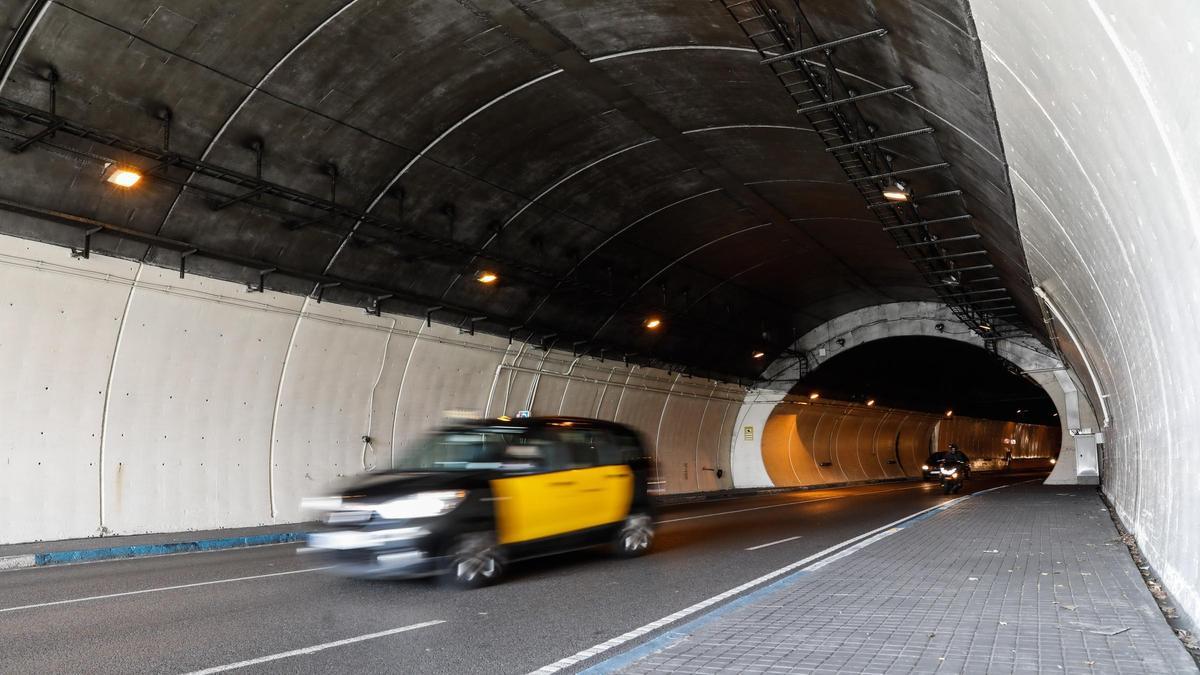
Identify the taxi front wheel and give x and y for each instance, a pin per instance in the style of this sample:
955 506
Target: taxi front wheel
475 561
635 536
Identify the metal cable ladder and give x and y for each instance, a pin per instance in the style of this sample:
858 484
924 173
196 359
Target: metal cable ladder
830 107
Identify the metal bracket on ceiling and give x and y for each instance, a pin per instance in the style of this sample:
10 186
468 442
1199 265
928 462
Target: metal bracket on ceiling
824 46
627 356
949 256
183 256
512 331
164 115
965 269
854 98
45 133
879 139
429 315
86 251
471 323
374 309
900 172
256 146
262 281
922 223
934 241
575 348
547 342
986 291
319 291
918 201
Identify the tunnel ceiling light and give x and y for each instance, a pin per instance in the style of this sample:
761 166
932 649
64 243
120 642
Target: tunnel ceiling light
814 396
759 355
122 176
897 192
870 401
653 322
949 413
486 277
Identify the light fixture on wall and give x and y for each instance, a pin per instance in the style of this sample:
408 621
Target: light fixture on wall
653 322
759 354
897 192
949 413
814 396
870 401
486 277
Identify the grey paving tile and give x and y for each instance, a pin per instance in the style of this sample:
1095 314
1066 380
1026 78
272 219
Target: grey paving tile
1029 579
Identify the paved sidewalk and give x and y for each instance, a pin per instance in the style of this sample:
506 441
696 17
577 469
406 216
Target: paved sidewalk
1028 579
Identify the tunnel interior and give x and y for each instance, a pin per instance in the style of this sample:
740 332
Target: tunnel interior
250 248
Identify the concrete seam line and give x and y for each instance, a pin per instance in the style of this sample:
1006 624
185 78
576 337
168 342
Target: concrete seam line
704 604
315 648
160 588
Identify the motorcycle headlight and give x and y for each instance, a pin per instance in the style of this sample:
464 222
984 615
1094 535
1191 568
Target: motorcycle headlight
421 505
949 472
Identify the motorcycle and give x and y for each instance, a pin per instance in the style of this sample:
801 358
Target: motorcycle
951 475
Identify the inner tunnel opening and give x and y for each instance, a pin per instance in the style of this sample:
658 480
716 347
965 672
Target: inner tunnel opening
879 411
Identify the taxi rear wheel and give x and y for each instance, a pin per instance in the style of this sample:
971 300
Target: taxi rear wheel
475 561
635 536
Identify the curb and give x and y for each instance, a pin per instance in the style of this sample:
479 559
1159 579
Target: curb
144 550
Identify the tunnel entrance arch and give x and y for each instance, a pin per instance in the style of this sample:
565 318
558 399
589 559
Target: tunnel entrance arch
1078 459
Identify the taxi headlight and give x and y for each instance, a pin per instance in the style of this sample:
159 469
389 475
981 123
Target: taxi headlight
421 505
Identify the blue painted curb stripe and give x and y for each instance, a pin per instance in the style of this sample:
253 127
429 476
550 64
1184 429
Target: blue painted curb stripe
115 552
615 663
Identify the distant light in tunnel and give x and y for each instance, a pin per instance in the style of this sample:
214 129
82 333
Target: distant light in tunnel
125 178
870 401
759 355
653 322
814 396
897 192
949 413
486 277
1053 461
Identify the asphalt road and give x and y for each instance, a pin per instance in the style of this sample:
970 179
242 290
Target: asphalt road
191 612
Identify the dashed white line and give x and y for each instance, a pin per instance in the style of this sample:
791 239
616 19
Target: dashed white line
314 649
772 543
778 506
160 589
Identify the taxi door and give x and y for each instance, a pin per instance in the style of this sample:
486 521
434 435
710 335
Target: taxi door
606 487
542 502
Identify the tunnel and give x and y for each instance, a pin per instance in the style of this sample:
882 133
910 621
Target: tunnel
252 250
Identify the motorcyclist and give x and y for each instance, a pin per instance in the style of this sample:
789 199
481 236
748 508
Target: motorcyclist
959 457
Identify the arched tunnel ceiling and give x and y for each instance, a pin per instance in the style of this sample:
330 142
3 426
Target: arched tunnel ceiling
609 160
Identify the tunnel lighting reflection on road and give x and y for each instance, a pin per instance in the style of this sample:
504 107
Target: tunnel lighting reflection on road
653 322
122 177
759 355
486 277
814 396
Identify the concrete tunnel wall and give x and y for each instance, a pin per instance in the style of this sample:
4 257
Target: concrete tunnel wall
807 443
1101 132
135 401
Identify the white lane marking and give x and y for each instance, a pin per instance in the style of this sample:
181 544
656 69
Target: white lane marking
161 588
777 506
703 604
772 543
314 649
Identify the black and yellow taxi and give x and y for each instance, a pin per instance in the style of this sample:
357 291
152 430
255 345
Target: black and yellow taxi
472 497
